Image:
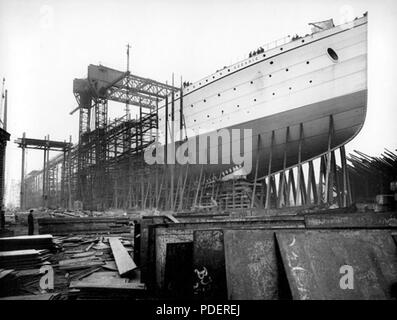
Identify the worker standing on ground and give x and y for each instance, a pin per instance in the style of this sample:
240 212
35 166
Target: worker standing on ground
2 219
30 223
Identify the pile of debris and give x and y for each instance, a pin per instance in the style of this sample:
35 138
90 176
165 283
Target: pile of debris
23 259
84 266
100 267
20 261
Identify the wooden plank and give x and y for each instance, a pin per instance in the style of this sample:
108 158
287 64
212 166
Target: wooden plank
19 253
77 260
85 273
83 254
82 265
124 262
89 246
171 217
107 280
313 259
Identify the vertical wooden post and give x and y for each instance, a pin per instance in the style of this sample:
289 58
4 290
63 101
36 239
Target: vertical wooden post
335 179
345 192
328 187
323 169
172 168
22 193
198 186
267 204
183 188
311 185
302 184
299 176
282 184
70 174
256 171
291 185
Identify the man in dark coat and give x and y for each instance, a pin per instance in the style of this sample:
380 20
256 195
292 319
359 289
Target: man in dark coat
30 223
2 219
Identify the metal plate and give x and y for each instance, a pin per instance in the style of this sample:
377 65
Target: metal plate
313 261
253 270
351 220
209 274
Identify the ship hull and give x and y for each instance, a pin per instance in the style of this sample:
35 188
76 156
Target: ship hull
306 98
348 116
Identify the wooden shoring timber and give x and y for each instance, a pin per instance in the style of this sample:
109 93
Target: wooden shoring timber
311 185
198 186
302 184
320 187
256 172
300 198
347 197
268 191
328 173
291 187
336 181
181 196
282 182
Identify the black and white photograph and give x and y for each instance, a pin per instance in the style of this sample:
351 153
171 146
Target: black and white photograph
198 155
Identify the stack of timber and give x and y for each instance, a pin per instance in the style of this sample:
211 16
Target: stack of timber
8 282
371 176
27 242
23 259
64 226
20 282
237 195
106 278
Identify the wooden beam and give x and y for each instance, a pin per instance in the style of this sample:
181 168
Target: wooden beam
256 172
267 203
124 262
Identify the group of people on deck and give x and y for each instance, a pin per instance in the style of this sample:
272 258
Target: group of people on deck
255 52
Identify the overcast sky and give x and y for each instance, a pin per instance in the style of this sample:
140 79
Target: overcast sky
44 45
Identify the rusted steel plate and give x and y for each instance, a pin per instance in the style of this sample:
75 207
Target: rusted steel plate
209 274
178 279
352 220
313 261
253 269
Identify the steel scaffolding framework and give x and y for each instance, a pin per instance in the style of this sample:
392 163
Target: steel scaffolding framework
106 168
